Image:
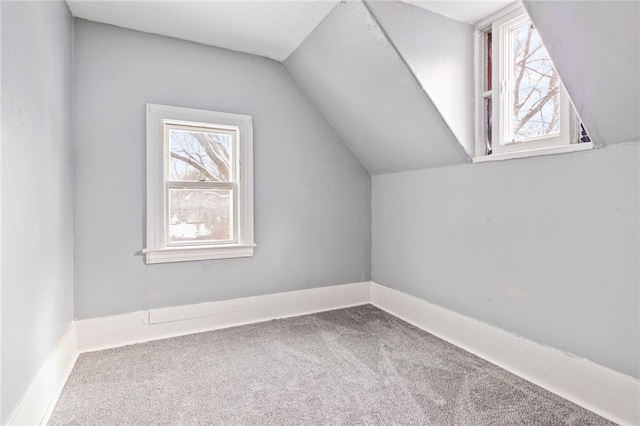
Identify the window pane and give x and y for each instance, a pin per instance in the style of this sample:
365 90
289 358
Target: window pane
535 87
200 155
200 214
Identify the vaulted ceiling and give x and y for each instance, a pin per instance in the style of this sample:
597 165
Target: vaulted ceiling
355 76
396 80
273 29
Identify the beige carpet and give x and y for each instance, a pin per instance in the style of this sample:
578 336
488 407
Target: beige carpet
346 367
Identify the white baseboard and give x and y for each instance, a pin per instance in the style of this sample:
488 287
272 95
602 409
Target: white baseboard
605 392
108 332
37 405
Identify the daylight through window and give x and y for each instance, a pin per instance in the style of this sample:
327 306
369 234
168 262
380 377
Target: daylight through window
201 184
199 188
523 104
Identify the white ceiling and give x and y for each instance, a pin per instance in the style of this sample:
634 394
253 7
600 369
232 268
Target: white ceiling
273 29
462 10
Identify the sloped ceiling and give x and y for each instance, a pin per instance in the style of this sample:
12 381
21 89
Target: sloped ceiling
595 47
272 29
356 78
396 81
439 51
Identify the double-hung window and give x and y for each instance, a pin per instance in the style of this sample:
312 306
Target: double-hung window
523 108
199 185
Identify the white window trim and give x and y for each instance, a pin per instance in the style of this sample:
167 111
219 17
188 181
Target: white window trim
566 142
157 248
536 152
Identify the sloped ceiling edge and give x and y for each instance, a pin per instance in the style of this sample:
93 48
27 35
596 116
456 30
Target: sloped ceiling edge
358 81
439 52
595 48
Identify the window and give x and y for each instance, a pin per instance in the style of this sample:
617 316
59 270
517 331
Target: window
199 185
523 108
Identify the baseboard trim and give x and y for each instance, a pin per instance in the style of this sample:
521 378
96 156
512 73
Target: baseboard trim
38 403
608 393
109 332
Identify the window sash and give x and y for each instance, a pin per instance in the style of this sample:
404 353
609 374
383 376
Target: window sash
201 185
500 94
233 183
232 131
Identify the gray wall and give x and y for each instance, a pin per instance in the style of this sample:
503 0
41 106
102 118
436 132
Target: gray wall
312 196
439 51
547 247
595 46
37 237
355 76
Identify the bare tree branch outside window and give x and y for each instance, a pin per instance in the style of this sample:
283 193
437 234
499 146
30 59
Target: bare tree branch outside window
200 213
536 87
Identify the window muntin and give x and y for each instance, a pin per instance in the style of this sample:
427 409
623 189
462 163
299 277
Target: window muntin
199 185
522 103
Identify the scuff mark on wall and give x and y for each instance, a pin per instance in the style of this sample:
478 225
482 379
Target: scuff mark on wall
516 293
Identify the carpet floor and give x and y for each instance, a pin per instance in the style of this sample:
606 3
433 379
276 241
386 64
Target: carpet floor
351 366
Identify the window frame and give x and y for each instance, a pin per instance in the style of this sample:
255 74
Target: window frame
499 24
159 248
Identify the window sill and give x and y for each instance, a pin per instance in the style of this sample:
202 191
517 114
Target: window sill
192 253
534 152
